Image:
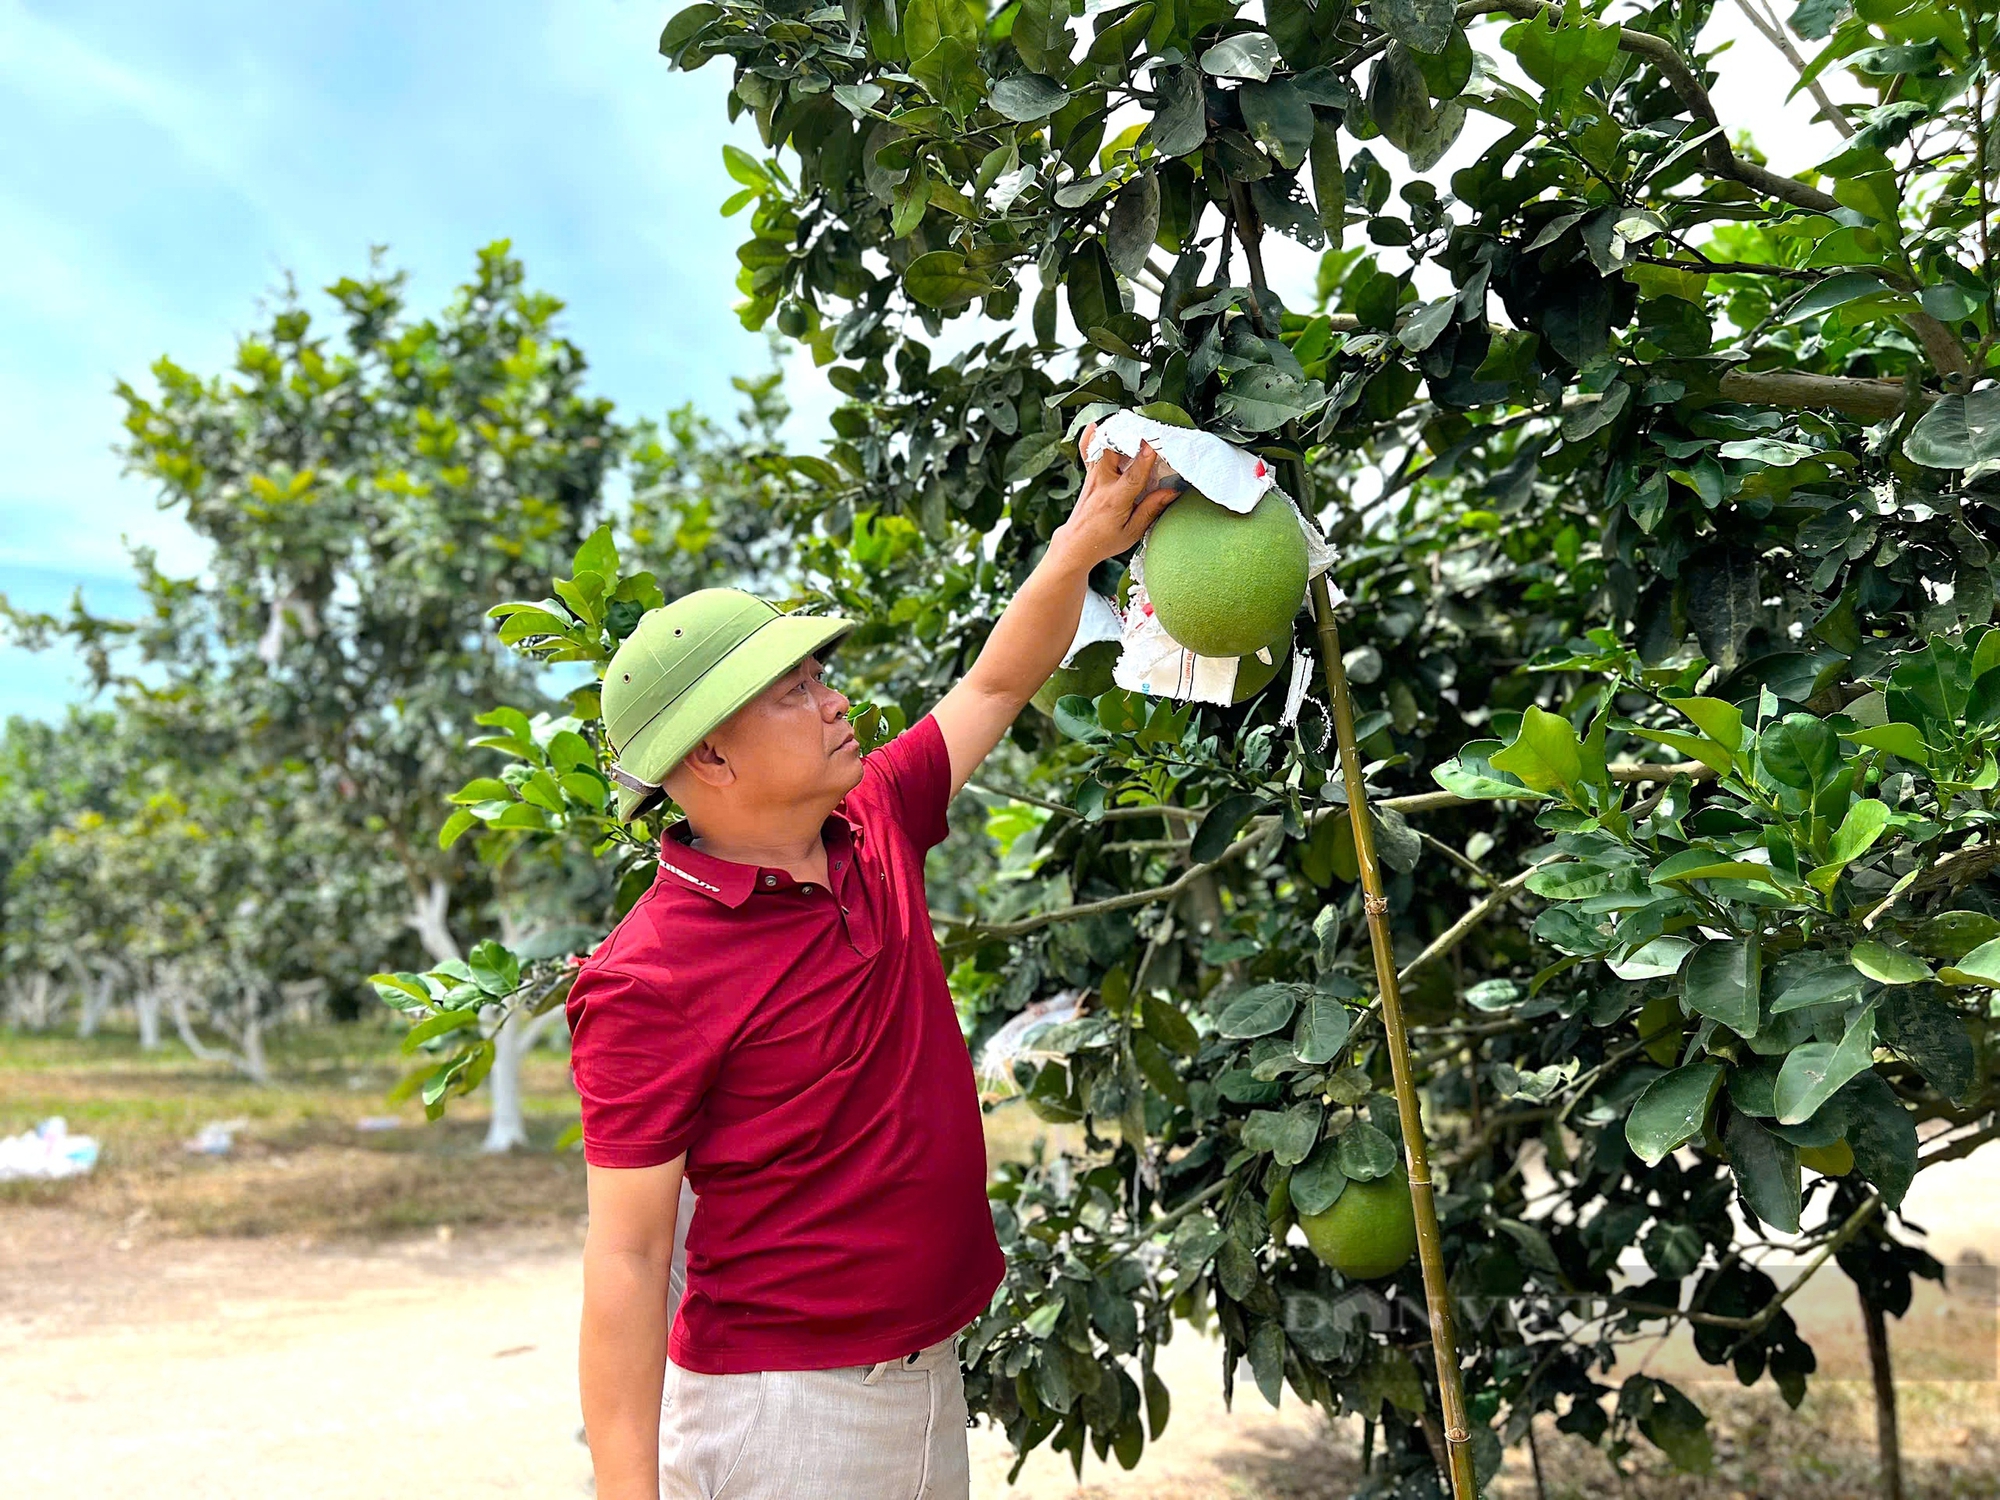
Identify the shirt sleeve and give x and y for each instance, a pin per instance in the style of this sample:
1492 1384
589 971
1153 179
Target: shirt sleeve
641 1065
912 779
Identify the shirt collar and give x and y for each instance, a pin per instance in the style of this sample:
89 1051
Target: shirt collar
731 883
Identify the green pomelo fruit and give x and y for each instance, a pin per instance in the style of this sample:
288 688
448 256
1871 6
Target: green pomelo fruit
1252 675
1088 673
1836 1160
1224 584
1371 1230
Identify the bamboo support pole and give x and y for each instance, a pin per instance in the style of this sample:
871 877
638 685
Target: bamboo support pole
1430 1243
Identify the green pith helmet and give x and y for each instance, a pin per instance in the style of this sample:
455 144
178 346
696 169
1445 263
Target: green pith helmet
688 666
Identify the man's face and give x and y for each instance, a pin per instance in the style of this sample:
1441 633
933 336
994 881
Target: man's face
791 745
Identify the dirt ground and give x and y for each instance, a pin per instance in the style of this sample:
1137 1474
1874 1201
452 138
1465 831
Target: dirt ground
181 1327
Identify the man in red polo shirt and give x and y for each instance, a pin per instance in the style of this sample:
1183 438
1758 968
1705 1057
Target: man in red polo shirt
771 1020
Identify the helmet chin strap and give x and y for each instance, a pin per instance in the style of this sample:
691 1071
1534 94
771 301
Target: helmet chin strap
630 782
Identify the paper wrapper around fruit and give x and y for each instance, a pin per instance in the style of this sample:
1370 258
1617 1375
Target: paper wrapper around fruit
1151 661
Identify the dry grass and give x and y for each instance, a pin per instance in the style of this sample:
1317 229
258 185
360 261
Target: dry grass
301 1164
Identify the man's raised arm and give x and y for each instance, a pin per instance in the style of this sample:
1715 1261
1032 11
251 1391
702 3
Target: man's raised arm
1033 633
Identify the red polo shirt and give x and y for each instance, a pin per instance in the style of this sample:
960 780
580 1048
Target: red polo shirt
800 1045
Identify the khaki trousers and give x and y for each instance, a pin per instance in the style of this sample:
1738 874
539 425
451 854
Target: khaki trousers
889 1431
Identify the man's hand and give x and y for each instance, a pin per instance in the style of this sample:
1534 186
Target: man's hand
1115 508
1029 639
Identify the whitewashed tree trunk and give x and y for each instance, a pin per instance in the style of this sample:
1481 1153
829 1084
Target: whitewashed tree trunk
428 913
254 1062
250 1061
146 1004
95 990
512 1042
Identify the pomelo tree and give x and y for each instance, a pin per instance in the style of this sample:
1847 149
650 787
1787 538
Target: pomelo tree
1662 486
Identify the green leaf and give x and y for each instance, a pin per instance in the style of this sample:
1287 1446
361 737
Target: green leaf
455 826
1166 1024
1836 291
1365 1152
1721 721
1258 1011
940 279
1886 965
1957 432
1813 1071
1180 124
1898 739
1134 224
1289 1135
1093 292
1722 980
442 1024
1279 119
494 968
1025 97
1469 774
1322 1029
1956 935
1767 1170
1546 754
1881 1132
1980 966
1317 1183
1799 751
1799 980
1922 1027
684 27
1250 54
1858 831
1267 1359
1564 58
1670 1112
1221 824
1426 25
1676 1426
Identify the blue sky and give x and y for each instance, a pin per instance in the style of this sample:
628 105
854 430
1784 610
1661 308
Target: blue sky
170 163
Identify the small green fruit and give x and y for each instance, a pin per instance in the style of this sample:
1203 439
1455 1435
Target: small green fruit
1224 584
1089 673
1371 1230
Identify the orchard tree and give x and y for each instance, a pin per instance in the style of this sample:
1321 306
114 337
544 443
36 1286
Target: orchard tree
1663 488
364 492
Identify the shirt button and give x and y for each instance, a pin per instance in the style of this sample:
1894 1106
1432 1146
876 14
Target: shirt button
843 911
770 880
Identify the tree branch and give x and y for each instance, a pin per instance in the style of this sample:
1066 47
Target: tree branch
1855 396
1773 31
1681 79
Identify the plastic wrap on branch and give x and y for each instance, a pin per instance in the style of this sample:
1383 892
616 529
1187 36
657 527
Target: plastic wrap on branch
1015 1042
1152 661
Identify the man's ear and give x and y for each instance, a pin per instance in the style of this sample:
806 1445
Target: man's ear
706 764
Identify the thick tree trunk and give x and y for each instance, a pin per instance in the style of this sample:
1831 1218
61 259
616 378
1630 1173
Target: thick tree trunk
428 912
1888 1440
512 1042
